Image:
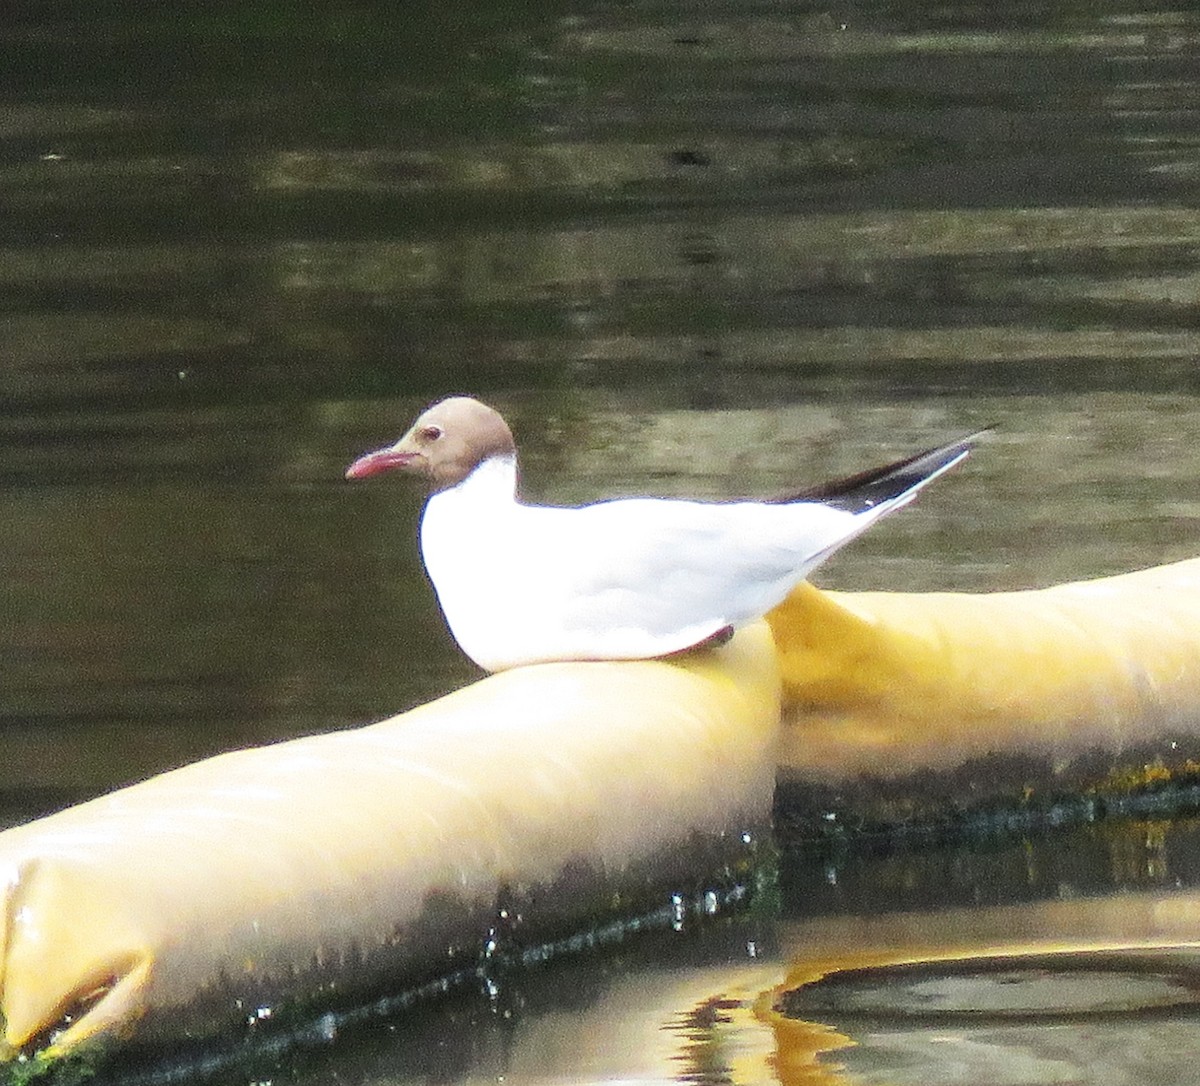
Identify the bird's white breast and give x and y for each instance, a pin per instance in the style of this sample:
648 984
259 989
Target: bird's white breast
489 567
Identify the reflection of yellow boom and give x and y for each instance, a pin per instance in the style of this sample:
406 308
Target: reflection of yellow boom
326 870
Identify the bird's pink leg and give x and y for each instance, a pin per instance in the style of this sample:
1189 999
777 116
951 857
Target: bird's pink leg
713 641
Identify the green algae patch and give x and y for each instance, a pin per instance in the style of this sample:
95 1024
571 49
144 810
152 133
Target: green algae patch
47 1068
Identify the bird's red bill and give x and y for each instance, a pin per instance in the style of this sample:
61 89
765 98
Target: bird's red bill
380 460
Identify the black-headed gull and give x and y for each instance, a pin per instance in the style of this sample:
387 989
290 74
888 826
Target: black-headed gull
629 578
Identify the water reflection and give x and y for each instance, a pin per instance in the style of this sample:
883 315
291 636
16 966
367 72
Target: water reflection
1059 991
886 873
1028 987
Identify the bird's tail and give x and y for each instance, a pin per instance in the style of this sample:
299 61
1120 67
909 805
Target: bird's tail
873 494
893 484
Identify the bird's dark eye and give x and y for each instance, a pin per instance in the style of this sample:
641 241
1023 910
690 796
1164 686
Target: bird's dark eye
430 433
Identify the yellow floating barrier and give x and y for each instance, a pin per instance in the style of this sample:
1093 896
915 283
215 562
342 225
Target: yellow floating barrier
327 870
882 685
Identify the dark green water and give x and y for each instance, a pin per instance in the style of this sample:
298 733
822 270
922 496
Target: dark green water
712 249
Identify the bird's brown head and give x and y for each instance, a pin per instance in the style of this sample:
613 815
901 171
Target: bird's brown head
444 445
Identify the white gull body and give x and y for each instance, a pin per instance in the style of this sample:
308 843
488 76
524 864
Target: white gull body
630 578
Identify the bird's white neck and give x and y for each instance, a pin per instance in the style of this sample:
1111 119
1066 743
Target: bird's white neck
492 482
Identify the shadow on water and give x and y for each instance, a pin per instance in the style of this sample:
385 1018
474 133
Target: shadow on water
687 250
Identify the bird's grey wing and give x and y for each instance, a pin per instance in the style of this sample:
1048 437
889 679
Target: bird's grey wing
673 566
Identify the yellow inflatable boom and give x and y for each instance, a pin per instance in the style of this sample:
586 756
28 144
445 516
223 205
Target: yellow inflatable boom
328 870
885 684
319 872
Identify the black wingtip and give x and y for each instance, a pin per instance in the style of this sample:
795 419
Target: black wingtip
868 489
